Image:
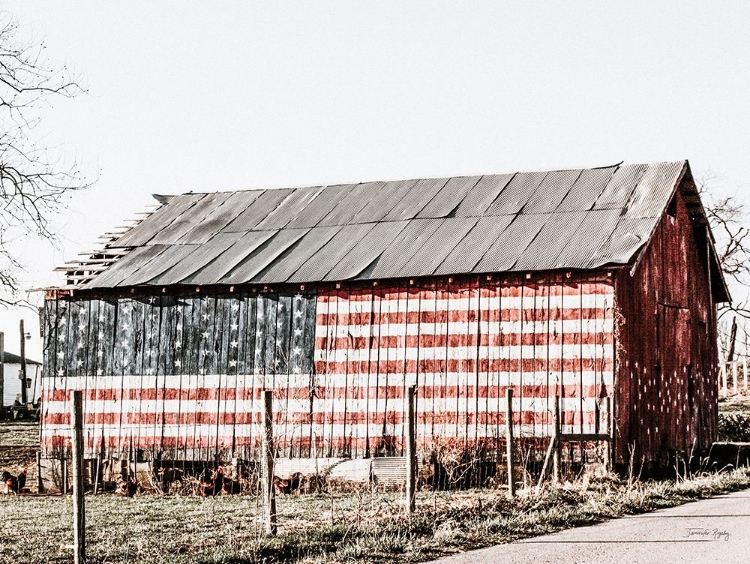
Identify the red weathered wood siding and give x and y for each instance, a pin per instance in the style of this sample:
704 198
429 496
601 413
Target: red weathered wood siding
667 355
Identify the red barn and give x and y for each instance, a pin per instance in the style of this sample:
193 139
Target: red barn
584 284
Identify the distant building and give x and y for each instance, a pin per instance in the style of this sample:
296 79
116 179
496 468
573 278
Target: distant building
586 284
12 381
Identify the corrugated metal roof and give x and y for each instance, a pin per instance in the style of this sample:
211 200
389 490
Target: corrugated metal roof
565 219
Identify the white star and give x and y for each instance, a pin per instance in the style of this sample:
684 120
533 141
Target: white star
257 370
177 345
298 297
125 327
298 313
234 326
61 372
179 326
297 350
101 334
298 331
124 343
149 371
79 363
275 362
82 327
79 346
234 344
99 372
102 317
178 363
61 336
232 363
281 306
235 306
61 355
206 316
100 354
206 334
296 370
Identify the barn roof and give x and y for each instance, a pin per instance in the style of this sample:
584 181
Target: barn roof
561 219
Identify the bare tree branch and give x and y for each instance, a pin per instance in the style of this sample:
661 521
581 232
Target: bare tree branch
34 181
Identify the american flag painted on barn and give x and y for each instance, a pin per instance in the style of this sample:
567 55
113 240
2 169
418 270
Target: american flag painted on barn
181 376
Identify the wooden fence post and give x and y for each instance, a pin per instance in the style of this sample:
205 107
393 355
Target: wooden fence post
411 452
79 515
723 378
744 372
269 493
509 441
608 430
556 431
734 376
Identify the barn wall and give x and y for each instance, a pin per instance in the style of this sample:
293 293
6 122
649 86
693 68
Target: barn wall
181 376
667 359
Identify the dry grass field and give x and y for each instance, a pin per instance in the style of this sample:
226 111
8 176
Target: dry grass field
365 525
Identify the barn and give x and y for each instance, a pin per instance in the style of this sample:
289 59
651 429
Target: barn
595 285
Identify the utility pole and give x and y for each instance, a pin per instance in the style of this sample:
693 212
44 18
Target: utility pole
22 375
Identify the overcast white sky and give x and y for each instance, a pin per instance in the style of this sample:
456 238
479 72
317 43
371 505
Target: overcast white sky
205 96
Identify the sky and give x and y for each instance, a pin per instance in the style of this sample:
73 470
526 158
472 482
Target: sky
204 96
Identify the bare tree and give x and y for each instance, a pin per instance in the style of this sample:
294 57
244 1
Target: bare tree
34 179
728 218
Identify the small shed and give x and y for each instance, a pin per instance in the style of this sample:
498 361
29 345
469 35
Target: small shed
586 284
12 379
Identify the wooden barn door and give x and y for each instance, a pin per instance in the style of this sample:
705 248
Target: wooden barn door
673 417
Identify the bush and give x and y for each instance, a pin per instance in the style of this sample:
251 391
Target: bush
734 427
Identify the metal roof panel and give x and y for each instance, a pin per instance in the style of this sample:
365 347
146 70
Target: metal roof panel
322 262
515 195
629 236
224 262
436 248
413 201
351 204
259 210
125 266
581 247
390 264
470 250
171 256
286 265
511 243
320 206
588 186
367 250
288 209
616 193
189 219
220 217
481 196
389 196
450 196
263 256
650 195
200 256
163 217
551 191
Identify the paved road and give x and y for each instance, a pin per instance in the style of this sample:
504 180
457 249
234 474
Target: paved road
713 530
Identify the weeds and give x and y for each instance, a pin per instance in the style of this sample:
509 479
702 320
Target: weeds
366 525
